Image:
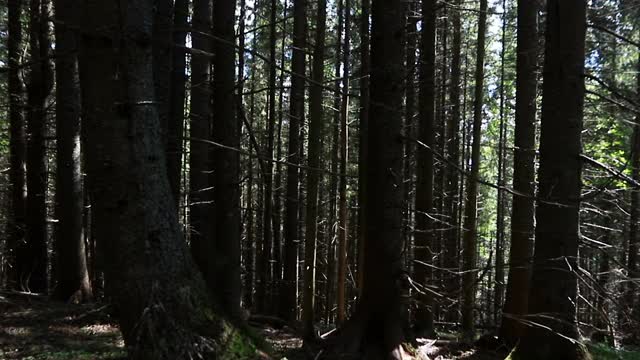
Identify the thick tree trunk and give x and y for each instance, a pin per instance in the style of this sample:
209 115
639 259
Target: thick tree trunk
177 94
376 328
165 312
296 115
17 147
344 159
424 238
522 216
162 56
34 273
316 130
202 246
554 280
470 235
71 268
226 194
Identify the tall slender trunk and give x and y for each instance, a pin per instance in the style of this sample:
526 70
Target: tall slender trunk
344 153
522 216
424 235
499 279
34 275
177 95
470 235
71 268
226 169
365 62
162 56
634 214
296 115
452 198
17 146
554 279
200 128
316 129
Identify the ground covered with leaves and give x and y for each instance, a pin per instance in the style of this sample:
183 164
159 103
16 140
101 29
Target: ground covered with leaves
32 327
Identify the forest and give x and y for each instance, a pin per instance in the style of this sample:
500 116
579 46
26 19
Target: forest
320 179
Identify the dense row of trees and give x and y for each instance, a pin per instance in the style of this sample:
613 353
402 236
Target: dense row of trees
372 164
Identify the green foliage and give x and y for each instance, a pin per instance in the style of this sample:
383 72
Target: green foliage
604 352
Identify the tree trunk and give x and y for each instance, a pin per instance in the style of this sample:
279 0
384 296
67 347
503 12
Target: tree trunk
470 235
177 94
499 278
200 197
634 216
376 328
71 268
162 56
226 194
364 129
296 115
344 153
17 147
162 299
452 200
34 275
554 279
424 179
316 130
522 216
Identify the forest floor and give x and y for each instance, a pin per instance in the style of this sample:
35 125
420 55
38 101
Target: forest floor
34 328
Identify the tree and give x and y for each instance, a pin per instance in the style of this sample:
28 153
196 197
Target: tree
162 299
177 94
200 128
226 131
16 222
425 170
470 235
343 232
376 327
316 129
553 288
522 216
71 266
34 259
296 115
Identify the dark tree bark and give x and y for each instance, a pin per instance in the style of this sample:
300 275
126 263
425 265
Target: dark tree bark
376 328
34 274
264 262
452 198
522 216
162 56
634 216
162 299
365 62
470 234
296 115
500 204
200 194
554 288
424 238
316 130
17 146
71 267
175 125
226 131
344 159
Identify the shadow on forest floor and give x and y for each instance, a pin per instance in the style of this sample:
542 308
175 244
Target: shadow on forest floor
32 327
